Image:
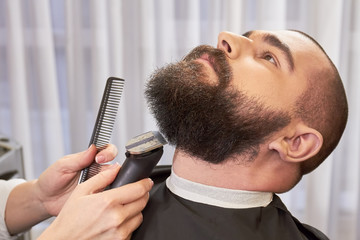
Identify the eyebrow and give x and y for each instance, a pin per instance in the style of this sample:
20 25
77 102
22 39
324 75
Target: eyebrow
274 41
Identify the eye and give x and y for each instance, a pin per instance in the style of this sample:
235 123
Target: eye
269 57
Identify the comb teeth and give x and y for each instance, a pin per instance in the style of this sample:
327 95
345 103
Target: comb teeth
107 113
90 171
104 122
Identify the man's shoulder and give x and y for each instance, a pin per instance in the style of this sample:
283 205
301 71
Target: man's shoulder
309 231
317 233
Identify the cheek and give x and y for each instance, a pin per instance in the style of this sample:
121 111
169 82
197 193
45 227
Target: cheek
273 89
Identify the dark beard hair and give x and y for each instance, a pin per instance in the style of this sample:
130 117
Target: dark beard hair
212 122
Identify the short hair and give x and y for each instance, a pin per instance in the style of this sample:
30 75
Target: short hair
323 106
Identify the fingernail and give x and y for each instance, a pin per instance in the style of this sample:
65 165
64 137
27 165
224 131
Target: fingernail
115 165
110 167
100 159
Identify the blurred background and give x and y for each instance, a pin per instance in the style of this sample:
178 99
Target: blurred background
55 57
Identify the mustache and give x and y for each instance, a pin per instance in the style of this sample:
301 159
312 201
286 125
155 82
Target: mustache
216 57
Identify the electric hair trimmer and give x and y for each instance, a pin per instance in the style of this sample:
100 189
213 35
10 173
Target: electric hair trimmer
143 152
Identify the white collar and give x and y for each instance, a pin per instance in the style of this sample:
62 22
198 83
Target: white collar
215 196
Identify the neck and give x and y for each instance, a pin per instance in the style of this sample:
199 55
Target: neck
231 174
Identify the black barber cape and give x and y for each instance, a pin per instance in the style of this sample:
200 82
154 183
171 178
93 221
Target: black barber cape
170 217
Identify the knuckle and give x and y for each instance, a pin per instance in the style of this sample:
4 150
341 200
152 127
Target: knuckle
107 201
144 189
118 217
124 233
140 218
145 199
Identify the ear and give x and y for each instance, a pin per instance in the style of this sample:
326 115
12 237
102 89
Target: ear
301 144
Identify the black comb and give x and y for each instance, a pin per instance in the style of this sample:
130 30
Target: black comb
104 123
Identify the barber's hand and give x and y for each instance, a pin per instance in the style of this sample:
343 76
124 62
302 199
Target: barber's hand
90 213
56 183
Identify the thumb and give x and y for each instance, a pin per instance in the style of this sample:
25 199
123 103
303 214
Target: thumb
85 157
101 180
77 161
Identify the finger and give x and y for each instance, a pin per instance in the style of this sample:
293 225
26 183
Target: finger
126 218
106 155
86 157
122 230
77 161
101 180
133 208
132 191
125 230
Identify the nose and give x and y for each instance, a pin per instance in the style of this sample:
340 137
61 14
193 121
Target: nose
232 44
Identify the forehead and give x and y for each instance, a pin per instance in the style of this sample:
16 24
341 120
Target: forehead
293 38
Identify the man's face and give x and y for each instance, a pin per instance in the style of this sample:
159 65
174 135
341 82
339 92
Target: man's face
218 103
271 66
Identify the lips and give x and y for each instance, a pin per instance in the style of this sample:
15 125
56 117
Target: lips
214 60
205 59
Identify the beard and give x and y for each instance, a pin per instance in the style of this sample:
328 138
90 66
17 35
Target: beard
213 122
